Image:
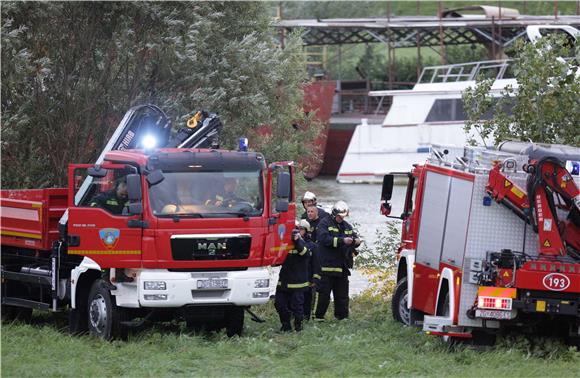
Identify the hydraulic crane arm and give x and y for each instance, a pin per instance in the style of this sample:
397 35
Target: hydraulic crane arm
547 177
147 126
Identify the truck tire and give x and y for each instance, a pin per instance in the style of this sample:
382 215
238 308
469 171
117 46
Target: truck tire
235 321
103 315
399 303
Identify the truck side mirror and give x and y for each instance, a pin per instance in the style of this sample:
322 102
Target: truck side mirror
282 205
155 177
135 208
134 187
97 171
283 186
387 191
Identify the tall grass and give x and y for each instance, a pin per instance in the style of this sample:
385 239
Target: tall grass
369 343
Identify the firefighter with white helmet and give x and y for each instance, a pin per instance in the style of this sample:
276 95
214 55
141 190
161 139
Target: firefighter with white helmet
337 242
309 199
294 279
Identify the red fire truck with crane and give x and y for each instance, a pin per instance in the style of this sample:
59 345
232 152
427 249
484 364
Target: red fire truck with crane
181 245
490 241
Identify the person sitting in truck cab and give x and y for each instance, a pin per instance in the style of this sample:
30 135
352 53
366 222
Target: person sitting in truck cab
115 200
229 197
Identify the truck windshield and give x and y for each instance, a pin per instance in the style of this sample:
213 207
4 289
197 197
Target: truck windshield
208 194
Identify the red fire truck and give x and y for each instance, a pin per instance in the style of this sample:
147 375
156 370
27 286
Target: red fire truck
186 232
490 241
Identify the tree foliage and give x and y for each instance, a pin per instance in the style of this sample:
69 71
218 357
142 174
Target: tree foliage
542 107
70 70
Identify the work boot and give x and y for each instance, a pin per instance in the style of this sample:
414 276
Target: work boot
286 327
298 325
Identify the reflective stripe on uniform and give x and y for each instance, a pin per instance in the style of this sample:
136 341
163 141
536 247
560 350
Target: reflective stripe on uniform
317 276
348 232
333 229
298 285
292 252
112 202
315 301
331 269
303 251
335 242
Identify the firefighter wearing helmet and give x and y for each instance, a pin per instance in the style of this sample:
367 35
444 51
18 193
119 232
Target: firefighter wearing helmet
309 199
337 243
294 279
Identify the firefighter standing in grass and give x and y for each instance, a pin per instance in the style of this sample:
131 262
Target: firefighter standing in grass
294 280
336 248
314 273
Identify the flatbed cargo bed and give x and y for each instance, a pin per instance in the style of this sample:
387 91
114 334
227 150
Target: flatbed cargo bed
29 217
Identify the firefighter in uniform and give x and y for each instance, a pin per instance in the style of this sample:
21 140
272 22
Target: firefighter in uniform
114 201
314 273
336 248
309 199
229 198
294 280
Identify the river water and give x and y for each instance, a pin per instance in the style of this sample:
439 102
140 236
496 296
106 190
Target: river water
364 203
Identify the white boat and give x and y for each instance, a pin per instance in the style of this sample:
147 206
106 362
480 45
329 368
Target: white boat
429 114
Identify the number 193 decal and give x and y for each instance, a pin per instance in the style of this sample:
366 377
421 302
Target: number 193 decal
556 282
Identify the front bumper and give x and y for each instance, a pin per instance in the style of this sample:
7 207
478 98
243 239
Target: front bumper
182 288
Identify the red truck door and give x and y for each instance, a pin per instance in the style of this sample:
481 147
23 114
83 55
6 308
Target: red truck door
280 223
99 223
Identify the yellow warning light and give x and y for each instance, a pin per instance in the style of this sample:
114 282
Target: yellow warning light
541 306
193 121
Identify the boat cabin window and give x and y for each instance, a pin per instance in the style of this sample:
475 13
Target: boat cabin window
451 110
445 110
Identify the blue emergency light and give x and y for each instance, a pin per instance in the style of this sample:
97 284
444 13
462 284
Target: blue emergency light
243 145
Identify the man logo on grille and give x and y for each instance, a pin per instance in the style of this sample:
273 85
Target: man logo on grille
211 247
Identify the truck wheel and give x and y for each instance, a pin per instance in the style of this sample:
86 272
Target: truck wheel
104 317
235 321
399 303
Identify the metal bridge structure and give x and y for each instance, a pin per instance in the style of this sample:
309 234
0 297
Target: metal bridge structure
421 31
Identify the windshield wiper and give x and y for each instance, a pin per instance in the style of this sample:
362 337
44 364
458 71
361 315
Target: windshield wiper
176 217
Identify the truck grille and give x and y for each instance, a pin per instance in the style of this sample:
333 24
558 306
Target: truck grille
226 247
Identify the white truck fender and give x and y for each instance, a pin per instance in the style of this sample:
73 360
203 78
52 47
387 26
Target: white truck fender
85 265
447 274
409 256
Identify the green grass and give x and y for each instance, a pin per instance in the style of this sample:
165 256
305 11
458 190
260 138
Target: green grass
369 343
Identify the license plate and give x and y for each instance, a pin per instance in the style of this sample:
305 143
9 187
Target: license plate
493 314
213 284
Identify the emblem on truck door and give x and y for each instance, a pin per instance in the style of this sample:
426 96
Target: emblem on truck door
109 237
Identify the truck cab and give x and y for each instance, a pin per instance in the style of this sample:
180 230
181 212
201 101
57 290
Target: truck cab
180 233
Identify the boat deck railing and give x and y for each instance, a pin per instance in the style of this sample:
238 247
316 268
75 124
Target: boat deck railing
449 73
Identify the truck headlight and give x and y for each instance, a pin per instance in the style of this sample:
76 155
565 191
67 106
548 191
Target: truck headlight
154 285
262 283
260 294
